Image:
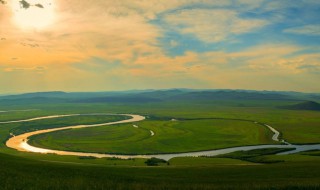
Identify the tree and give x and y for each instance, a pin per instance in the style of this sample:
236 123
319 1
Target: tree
154 161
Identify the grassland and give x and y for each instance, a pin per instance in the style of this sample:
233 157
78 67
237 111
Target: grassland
295 126
18 173
256 156
63 122
19 170
170 136
18 128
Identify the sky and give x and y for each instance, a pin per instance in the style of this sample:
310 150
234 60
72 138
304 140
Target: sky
107 45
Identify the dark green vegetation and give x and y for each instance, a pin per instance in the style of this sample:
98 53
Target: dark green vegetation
256 156
308 105
18 173
170 137
63 122
312 153
195 111
155 162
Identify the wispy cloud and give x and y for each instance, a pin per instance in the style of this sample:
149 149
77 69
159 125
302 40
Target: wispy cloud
105 45
212 25
38 69
305 30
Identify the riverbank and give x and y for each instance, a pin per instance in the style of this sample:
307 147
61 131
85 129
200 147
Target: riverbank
20 142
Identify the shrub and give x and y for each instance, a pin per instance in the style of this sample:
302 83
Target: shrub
154 161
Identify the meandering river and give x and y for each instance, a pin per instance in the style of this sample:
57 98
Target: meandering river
20 142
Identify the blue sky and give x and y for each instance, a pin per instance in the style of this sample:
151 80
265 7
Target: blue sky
108 45
291 22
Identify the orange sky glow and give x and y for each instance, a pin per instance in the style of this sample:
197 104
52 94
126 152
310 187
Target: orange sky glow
118 45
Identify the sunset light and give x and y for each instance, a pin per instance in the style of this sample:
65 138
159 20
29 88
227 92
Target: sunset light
159 94
34 14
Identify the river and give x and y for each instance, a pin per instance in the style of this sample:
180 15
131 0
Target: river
20 142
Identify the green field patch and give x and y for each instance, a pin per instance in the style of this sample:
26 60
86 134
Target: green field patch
170 137
294 158
206 161
18 115
21 173
311 153
300 132
24 127
297 171
257 155
6 130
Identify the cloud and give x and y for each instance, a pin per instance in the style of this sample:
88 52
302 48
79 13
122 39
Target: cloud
38 69
313 30
268 58
212 25
315 69
97 30
250 4
113 45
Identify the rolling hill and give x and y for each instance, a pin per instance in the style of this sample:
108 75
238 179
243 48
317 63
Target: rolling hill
147 96
307 105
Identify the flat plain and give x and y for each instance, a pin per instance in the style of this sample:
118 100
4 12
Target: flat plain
178 126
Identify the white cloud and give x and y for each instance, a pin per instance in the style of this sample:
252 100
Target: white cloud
121 32
313 30
212 25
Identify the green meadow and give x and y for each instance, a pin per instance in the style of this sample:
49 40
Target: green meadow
196 126
169 137
182 173
160 95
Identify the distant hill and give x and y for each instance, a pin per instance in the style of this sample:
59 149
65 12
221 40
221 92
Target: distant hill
307 105
118 99
163 94
184 95
64 95
147 96
229 95
37 94
314 97
31 100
